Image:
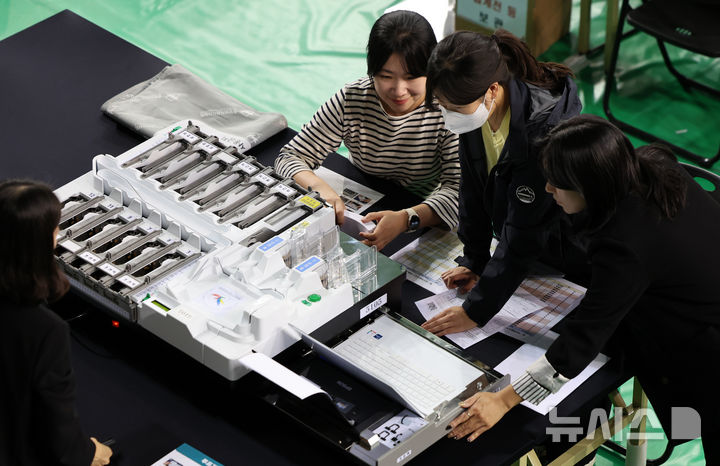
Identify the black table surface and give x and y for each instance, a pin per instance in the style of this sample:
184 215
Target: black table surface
133 387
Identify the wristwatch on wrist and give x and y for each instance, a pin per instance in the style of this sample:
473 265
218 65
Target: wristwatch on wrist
413 220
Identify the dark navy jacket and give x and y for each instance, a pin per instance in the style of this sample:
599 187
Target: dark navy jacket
38 421
511 201
655 297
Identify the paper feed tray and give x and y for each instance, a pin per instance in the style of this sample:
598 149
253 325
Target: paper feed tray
376 418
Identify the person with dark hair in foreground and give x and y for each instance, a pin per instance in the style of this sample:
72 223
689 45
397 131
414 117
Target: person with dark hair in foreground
652 239
501 101
38 422
388 130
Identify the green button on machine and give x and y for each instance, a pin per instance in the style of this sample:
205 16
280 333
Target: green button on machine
313 298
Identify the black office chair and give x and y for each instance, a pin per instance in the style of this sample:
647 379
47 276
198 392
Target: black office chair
693 25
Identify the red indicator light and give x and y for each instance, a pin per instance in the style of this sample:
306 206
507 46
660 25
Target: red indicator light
116 324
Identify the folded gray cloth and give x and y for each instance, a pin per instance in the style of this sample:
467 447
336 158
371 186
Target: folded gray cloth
176 94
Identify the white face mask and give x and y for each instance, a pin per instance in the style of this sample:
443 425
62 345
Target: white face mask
460 123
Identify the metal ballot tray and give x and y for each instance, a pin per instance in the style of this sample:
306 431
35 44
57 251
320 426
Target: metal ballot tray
378 415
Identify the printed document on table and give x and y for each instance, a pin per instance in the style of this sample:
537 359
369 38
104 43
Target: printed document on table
426 258
518 306
357 198
547 300
516 363
559 297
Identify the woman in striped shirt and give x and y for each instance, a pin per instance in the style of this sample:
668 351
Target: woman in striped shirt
388 130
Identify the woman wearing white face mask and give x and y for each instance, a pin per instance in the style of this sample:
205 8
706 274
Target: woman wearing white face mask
501 101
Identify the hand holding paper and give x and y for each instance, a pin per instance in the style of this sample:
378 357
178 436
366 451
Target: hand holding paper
354 225
516 308
452 320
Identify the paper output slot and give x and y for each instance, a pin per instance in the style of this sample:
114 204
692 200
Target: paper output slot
236 200
156 155
77 199
162 166
219 187
136 252
79 217
195 179
117 240
179 167
78 203
98 228
260 210
174 257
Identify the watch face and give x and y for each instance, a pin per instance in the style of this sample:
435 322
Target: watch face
414 222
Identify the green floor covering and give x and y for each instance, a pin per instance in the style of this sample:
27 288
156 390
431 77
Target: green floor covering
289 56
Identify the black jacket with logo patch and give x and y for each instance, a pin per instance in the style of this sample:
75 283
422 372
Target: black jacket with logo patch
511 201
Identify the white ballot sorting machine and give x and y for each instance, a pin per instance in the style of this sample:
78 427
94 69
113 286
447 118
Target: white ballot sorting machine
203 246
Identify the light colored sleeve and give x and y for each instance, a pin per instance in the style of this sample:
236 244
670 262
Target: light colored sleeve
539 381
319 137
444 199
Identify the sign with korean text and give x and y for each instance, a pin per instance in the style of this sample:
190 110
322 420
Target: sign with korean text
493 14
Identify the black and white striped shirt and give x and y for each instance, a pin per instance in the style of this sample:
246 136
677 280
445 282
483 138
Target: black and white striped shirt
414 150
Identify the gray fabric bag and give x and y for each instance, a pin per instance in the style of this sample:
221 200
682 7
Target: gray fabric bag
176 94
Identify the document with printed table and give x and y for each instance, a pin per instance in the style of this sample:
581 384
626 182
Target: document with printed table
536 306
428 257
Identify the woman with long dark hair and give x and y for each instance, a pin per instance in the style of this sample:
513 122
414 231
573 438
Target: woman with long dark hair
38 422
501 101
388 130
652 239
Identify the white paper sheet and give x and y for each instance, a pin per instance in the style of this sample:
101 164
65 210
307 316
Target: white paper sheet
559 297
428 257
518 306
523 357
280 375
353 225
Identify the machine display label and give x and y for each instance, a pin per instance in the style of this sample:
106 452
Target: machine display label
373 305
404 456
227 158
265 179
129 281
147 227
304 224
310 202
248 168
269 244
109 269
285 190
160 305
89 257
207 147
308 264
189 137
